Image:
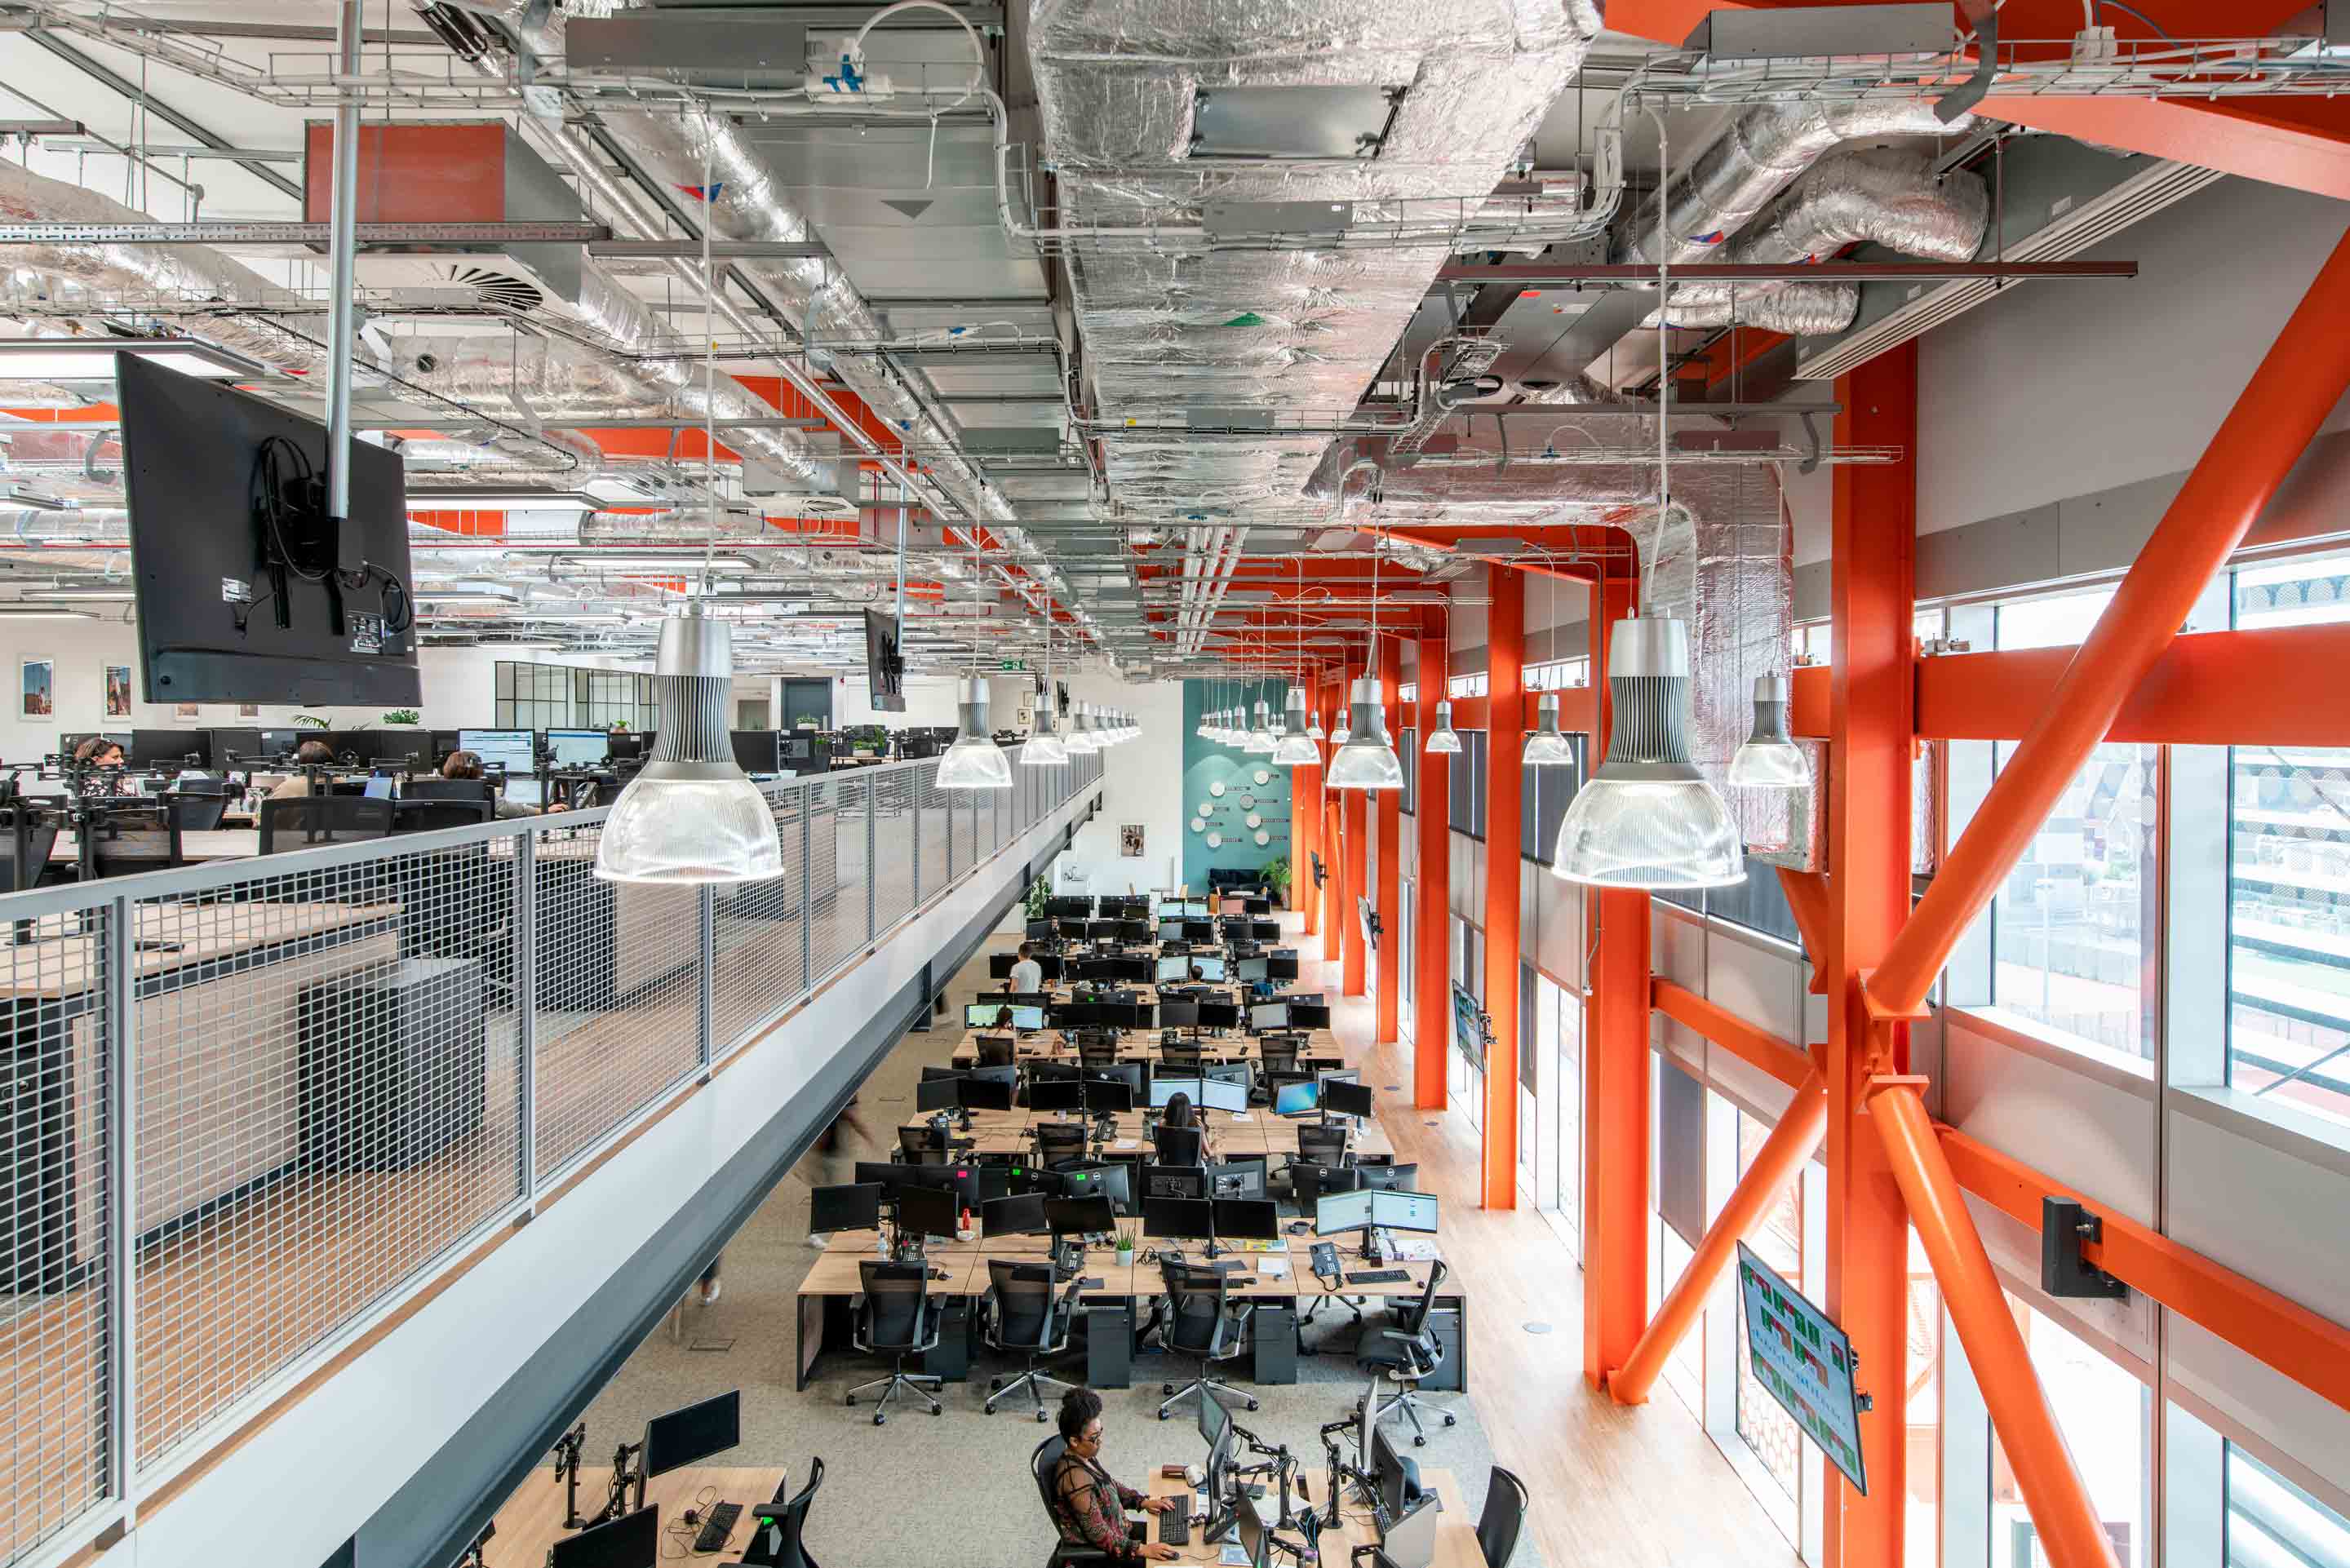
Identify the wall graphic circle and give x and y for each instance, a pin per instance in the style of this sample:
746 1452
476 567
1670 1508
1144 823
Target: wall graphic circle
1263 836
1215 840
1217 789
1255 820
1248 803
1261 776
1198 825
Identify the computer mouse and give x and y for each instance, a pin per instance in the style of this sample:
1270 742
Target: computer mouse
1298 1227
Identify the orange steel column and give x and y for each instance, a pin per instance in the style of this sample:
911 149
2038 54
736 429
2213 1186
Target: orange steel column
1874 533
1433 1009
1505 744
1616 1072
1389 896
2296 385
2070 1534
1304 840
1334 839
1776 1163
1354 809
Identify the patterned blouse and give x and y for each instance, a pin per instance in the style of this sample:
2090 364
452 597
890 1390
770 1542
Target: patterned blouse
1093 1508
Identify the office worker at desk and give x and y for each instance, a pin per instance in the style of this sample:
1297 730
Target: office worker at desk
308 754
98 751
468 765
1092 1505
1027 974
1190 1133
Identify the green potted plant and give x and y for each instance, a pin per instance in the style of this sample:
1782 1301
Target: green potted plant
310 721
1277 875
1038 891
402 718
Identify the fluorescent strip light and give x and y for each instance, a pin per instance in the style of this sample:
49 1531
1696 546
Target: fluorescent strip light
665 562
56 359
10 613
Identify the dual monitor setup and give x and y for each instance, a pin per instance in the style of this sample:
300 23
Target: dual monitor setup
627 1532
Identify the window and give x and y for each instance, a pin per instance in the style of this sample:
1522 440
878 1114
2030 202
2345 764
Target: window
1812 642
1763 1422
2103 1412
2269 1520
1543 800
1558 675
564 696
1470 685
1408 693
2288 870
1467 781
1408 753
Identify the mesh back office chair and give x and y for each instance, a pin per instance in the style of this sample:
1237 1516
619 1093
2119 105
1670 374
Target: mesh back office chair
304 822
1045 1466
1096 1053
1504 1520
1408 1353
1178 1146
1175 1054
1201 1323
202 804
1059 1143
1321 1145
996 1050
776 1531
447 789
424 816
895 1318
1024 1315
1274 1056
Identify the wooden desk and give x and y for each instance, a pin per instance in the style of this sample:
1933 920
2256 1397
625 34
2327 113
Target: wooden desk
532 1519
1456 1533
208 844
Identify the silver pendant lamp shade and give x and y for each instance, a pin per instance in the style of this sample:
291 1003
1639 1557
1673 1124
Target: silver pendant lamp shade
1770 758
1647 818
975 761
1547 748
1297 748
1366 760
691 814
1443 740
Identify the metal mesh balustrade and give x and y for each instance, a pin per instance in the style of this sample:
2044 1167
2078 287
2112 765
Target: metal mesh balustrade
58 1247
937 862
329 1100
760 960
836 873
893 849
618 995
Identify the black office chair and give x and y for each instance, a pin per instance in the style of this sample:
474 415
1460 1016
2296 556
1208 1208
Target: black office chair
469 790
1323 1146
996 1050
1044 1465
1097 1053
425 815
1274 1056
1407 1354
304 822
1178 1146
126 843
1201 1323
28 836
777 1534
201 804
894 1318
1175 1054
1024 1315
1059 1142
1504 1520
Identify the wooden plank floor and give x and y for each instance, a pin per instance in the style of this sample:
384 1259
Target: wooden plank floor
1626 1488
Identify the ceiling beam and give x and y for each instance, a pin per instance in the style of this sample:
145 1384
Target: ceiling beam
1562 274
131 90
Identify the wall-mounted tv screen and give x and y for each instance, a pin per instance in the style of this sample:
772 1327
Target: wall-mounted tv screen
885 663
1803 1361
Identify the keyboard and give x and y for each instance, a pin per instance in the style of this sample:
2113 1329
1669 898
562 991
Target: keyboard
1175 1529
716 1526
1379 1277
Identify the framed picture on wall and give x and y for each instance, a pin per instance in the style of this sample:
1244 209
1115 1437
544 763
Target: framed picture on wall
187 711
1129 841
248 710
37 681
118 692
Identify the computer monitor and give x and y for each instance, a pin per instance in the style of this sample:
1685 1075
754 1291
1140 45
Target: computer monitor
927 1211
1237 1179
1342 1098
1390 1177
1410 1542
1214 1420
1050 1095
1170 930
1195 909
1043 930
1167 909
995 1181
1178 1012
1124 906
938 1094
1087 1215
1250 968
691 1435
854 1206
1223 1094
631 1540
1247 1219
1070 907
1022 1214
163 748
1269 1015
1106 1181
512 750
1265 930
1135 931
888 1175
1220 1014
1135 967
1190 1181
1173 966
1414 1211
757 751
1257 905
983 1015
1163 1089
1281 964
1398 1478
1179 1219
1071 926
1308 1014
1338 1212
1255 1540
379 788
1803 1359
1199 930
1209 966
1108 1096
577 748
959 1181
1294 1096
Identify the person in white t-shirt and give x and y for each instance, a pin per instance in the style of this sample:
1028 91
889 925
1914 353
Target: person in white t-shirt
1027 974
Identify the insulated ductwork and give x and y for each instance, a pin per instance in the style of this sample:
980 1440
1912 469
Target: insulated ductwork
1892 197
1478 474
680 525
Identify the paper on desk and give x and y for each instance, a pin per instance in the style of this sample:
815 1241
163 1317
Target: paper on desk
1413 1251
1128 1143
1244 1116
1276 1267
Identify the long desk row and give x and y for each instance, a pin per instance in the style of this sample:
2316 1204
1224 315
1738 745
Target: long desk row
1252 1134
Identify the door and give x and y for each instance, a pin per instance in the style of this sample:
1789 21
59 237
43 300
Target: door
808 705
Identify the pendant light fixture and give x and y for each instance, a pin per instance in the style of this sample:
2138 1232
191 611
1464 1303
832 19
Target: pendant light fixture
1296 747
1045 749
1340 733
1259 738
1770 758
975 761
691 814
1314 728
1444 741
1646 818
1547 748
1082 741
1366 761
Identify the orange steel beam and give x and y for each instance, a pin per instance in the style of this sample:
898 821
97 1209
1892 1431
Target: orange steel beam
1873 533
1808 900
2305 374
1304 840
1388 895
2070 1534
1505 648
1783 1060
1616 1078
1335 918
2313 1351
1807 700
1355 960
1432 1002
1780 1158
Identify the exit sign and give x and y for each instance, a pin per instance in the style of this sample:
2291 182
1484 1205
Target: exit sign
1011 664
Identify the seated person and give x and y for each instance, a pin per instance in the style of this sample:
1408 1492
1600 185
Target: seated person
1181 1113
1090 1507
96 751
308 754
468 765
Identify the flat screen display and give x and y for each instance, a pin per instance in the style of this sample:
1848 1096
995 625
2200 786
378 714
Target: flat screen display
691 1435
984 1014
1269 1015
579 748
1294 1099
507 749
1468 1025
1209 966
1414 1211
1341 1211
1224 1094
1803 1361
885 664
1176 968
631 1540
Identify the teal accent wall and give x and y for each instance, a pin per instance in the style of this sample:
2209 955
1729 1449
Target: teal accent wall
1206 765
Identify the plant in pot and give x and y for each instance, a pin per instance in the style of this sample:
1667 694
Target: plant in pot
399 718
310 721
1277 877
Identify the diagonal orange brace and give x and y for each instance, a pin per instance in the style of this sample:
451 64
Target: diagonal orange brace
1776 1163
1808 900
2070 1534
2303 375
1758 1047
